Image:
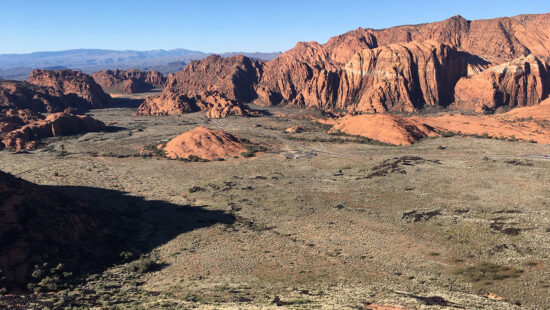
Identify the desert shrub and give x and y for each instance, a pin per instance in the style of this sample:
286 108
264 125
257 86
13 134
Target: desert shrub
195 189
48 279
252 149
126 256
143 265
488 272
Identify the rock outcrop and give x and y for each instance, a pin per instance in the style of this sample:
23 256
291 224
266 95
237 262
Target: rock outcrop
24 95
403 68
203 143
168 103
57 124
387 128
215 105
129 81
232 77
525 81
72 82
401 77
497 40
318 75
11 119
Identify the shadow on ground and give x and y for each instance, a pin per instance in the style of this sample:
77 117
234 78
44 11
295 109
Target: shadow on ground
109 225
125 102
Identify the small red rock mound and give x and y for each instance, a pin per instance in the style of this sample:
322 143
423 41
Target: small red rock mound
129 81
387 128
57 124
524 81
39 226
72 82
11 119
24 95
204 143
232 77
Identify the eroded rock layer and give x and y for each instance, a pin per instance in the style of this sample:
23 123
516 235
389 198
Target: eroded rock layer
233 77
11 119
401 77
524 81
56 124
129 81
72 82
24 95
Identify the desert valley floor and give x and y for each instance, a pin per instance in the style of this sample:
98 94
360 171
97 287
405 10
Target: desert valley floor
316 220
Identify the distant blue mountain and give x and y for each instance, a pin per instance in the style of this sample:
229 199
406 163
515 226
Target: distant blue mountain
17 66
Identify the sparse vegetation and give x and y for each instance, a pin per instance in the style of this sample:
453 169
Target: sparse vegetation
488 272
252 149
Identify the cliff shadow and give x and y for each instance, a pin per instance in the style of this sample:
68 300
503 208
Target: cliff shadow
130 224
122 102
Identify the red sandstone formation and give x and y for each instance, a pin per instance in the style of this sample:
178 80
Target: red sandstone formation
204 143
387 128
232 77
129 81
400 77
220 107
24 95
497 40
168 103
57 124
525 81
317 75
403 68
215 105
72 82
11 119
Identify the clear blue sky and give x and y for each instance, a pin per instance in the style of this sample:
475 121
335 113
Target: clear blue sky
219 26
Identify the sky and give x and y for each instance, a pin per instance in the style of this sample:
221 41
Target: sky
219 26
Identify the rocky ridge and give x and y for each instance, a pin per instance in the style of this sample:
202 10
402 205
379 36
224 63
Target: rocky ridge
72 82
129 81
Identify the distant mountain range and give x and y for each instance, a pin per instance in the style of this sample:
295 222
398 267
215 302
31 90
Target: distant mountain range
18 66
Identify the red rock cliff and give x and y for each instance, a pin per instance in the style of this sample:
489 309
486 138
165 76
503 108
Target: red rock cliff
72 82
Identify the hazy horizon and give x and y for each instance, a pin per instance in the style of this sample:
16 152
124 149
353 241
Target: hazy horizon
219 27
